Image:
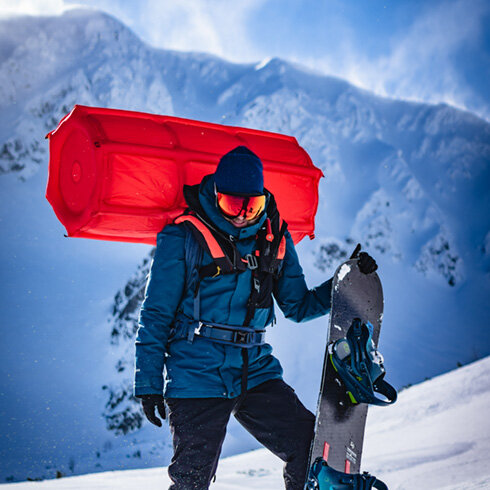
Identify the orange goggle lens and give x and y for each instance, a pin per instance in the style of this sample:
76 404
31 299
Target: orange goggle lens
247 206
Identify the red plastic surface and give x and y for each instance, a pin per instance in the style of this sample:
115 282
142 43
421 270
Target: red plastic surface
118 175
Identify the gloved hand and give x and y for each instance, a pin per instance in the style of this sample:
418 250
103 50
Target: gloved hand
366 263
150 402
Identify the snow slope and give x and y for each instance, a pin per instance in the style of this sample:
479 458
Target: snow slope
410 181
437 436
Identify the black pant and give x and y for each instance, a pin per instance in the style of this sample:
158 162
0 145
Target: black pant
271 412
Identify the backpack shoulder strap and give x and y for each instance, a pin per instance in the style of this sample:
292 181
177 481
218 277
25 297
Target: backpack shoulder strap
193 259
206 239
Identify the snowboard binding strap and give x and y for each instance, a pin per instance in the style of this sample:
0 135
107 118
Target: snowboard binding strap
324 477
360 366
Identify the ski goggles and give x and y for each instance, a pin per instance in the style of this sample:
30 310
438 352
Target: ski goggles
250 207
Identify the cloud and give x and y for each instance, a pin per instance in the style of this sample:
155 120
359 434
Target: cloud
421 63
30 7
214 26
425 63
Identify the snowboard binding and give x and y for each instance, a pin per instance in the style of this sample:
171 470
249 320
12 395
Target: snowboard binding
360 366
323 477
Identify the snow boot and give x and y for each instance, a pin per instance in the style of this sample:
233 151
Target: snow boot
323 477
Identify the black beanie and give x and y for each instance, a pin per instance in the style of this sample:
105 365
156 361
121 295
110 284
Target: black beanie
240 172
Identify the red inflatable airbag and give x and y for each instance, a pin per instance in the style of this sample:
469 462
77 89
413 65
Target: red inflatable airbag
118 175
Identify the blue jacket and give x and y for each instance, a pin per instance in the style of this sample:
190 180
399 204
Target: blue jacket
205 368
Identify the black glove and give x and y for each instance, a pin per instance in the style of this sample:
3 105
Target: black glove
150 402
366 263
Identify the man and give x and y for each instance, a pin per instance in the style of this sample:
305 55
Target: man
208 300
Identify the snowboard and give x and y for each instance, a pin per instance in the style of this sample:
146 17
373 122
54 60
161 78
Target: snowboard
339 428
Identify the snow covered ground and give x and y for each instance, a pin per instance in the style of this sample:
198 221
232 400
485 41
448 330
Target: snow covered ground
437 436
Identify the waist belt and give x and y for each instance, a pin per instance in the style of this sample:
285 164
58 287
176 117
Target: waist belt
224 334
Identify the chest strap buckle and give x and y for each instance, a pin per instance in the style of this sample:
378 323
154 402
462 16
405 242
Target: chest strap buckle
252 262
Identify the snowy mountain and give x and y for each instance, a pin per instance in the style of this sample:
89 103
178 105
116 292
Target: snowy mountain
437 436
410 181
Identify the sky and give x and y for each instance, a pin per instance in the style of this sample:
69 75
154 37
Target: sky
424 50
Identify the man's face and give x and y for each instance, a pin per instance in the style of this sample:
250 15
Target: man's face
241 222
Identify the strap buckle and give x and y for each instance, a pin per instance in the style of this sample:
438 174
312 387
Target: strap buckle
197 330
240 337
252 262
